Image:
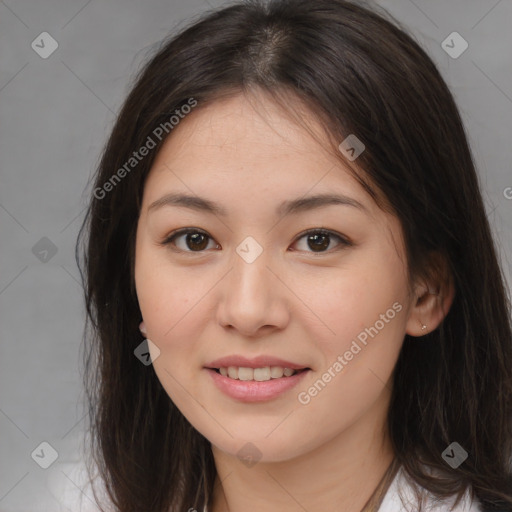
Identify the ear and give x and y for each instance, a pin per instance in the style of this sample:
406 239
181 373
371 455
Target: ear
433 298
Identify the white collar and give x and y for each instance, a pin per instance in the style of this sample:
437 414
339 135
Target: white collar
400 487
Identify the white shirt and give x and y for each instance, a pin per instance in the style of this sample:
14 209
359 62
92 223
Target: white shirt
393 503
74 493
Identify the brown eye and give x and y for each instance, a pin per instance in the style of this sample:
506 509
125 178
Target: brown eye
320 240
194 240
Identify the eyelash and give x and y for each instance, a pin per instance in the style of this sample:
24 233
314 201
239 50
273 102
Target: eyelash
321 231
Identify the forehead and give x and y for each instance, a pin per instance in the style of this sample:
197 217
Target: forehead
250 141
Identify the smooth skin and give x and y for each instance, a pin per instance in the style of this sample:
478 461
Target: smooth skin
298 301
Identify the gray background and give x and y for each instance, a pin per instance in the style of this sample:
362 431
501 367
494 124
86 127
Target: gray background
55 116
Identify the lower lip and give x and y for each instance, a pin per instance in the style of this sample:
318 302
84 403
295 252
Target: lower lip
255 391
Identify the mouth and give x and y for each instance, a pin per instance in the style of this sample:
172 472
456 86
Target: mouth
250 385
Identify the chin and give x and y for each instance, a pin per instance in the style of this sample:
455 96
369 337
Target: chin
257 449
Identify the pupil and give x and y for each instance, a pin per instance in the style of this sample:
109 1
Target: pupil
316 237
195 238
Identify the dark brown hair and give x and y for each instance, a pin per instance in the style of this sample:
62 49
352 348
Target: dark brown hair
359 72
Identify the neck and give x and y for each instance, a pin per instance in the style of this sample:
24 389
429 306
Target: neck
341 474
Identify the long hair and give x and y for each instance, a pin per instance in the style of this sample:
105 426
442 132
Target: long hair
359 72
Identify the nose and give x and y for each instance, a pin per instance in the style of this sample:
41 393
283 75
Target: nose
255 301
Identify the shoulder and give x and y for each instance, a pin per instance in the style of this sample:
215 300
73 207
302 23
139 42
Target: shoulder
400 497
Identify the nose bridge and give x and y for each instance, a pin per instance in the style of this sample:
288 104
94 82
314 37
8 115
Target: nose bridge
250 273
252 295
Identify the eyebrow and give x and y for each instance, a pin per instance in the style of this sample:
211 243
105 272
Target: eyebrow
285 208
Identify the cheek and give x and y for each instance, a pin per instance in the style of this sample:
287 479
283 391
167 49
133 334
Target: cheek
166 304
364 317
358 299
162 293
173 302
365 312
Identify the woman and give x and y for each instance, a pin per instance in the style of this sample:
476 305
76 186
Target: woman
288 212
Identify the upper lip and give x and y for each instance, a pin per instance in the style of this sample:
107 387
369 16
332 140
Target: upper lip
256 362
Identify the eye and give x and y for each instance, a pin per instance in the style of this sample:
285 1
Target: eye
319 239
196 240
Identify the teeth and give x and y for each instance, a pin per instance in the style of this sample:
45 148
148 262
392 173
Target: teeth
257 374
261 374
276 372
245 373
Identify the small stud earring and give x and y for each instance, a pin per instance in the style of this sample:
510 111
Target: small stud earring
423 327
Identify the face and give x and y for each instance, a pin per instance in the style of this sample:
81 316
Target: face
261 282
